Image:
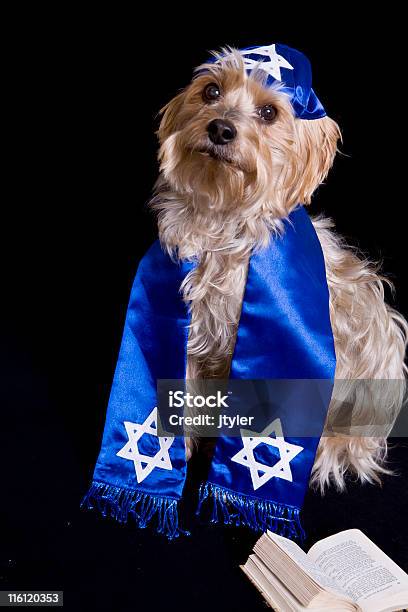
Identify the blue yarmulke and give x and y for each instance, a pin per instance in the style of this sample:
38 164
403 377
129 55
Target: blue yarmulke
292 69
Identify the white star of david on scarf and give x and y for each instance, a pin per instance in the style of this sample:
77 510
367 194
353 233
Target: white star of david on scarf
131 450
261 473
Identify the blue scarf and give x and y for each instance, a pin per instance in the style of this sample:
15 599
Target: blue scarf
284 333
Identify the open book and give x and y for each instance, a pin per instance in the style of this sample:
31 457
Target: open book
345 571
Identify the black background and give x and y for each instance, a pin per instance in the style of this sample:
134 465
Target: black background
81 165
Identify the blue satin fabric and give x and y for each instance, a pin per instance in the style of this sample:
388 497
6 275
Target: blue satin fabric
284 332
298 84
153 347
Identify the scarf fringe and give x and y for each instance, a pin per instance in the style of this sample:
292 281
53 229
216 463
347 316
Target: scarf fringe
122 504
238 509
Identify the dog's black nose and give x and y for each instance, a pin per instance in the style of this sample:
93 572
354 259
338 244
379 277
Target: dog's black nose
221 132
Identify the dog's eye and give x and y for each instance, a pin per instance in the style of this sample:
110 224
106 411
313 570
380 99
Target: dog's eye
267 113
211 92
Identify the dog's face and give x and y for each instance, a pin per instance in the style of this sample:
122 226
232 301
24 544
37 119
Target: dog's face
229 140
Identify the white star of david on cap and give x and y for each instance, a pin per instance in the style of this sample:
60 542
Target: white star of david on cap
272 66
281 469
131 450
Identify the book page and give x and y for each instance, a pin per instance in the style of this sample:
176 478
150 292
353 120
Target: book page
306 563
359 567
277 595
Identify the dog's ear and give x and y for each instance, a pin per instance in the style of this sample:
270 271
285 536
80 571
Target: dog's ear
170 117
316 148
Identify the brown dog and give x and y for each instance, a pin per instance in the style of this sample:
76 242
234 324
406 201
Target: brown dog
235 161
